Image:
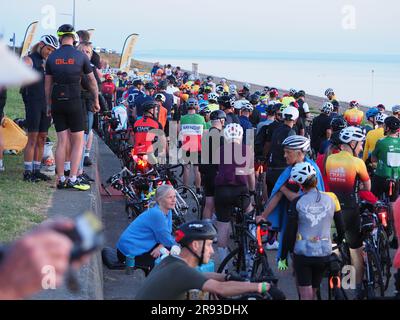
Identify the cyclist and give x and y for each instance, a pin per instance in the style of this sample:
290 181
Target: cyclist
396 111
381 107
64 68
161 112
255 116
191 129
37 121
205 113
233 183
386 156
304 109
353 115
149 90
276 162
347 175
370 116
336 111
308 229
226 104
144 135
121 84
176 275
213 102
330 94
108 90
373 136
150 231
245 123
134 92
273 95
209 166
321 127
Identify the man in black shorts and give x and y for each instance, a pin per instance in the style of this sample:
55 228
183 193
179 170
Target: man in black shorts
64 68
176 275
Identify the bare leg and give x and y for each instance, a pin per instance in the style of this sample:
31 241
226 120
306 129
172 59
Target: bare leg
62 142
77 142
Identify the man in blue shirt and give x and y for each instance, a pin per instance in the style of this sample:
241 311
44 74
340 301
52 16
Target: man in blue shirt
245 123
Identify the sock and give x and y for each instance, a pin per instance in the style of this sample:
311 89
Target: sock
1 162
67 166
87 153
73 178
62 179
28 166
36 165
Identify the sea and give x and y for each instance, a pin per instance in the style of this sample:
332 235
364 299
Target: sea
368 78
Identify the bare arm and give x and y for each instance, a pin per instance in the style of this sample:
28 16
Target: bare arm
290 195
28 61
328 134
270 206
231 288
366 185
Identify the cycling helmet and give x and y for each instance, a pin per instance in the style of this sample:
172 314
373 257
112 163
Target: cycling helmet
232 88
162 85
381 106
273 108
247 106
254 99
148 105
372 112
238 104
223 80
353 104
219 89
66 29
246 86
290 113
396 109
137 81
159 97
273 93
292 91
200 96
300 93
296 143
50 41
226 102
392 123
327 107
150 86
108 76
380 118
233 131
204 110
203 103
338 123
351 134
302 171
329 92
192 103
212 97
217 115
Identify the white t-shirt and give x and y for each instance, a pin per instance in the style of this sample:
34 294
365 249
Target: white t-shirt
172 90
306 108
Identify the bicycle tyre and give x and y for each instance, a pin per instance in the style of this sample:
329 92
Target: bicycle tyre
384 255
266 274
194 206
235 261
375 270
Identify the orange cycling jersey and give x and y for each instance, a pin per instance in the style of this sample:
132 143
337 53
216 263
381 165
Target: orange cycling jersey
343 172
143 137
354 117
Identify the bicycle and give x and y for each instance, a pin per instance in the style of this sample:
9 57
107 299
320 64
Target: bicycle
249 258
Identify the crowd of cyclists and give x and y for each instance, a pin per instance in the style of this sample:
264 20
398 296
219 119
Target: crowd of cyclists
316 168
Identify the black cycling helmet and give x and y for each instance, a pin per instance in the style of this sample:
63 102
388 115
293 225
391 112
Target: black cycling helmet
150 86
226 102
392 123
192 103
149 104
273 108
195 230
137 82
338 123
300 94
254 99
162 85
217 115
65 29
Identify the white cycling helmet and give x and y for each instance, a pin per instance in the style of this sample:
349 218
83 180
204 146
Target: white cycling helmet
233 131
351 134
232 88
302 171
396 108
290 113
238 104
246 105
327 107
329 91
380 118
247 86
213 96
50 40
296 143
293 91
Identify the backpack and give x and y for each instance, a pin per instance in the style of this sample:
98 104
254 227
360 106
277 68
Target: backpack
107 89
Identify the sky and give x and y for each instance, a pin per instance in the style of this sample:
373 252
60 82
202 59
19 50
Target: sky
334 26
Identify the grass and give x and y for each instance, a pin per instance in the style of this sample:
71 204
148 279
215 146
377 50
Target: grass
22 204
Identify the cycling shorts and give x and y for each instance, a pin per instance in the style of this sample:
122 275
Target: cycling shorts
380 186
36 116
228 197
68 115
309 270
352 223
208 184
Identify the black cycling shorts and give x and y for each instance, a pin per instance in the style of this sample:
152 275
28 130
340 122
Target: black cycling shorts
36 116
68 115
208 184
227 197
309 270
352 223
380 186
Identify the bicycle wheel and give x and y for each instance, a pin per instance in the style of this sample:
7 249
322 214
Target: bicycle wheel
259 192
261 271
384 255
187 202
233 262
373 275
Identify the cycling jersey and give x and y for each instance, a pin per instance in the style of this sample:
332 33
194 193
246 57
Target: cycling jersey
372 138
36 90
320 124
192 127
343 173
354 117
262 109
246 125
276 157
287 100
143 138
387 151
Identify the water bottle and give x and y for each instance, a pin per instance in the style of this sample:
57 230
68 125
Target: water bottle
129 264
175 250
208 267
